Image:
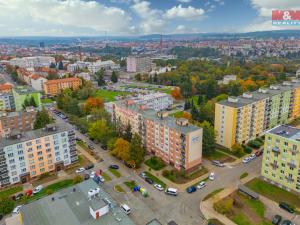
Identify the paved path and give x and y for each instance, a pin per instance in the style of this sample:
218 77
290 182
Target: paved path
86 154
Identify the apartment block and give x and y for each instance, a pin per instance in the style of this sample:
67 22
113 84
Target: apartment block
7 102
175 141
138 64
16 121
36 61
25 155
21 93
54 87
240 119
281 158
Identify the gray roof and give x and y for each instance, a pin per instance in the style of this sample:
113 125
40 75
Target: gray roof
24 90
72 208
34 134
286 131
256 95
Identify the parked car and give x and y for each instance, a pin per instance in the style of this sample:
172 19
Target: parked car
37 189
276 219
143 175
246 160
89 166
287 222
201 185
217 163
92 174
101 179
17 209
78 139
191 189
80 170
126 208
115 167
19 196
158 187
171 191
252 156
259 153
211 176
286 207
91 146
86 176
149 180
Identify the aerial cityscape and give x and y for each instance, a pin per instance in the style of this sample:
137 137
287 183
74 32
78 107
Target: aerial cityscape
149 112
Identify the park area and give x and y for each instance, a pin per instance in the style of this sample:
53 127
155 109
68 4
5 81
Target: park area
110 96
242 210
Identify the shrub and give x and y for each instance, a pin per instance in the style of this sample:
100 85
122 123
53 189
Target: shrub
247 149
237 150
49 192
6 205
254 144
224 206
165 173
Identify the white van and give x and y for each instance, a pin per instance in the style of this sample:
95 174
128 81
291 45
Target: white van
126 208
171 191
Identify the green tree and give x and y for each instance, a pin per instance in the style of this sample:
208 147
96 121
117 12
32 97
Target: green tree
237 150
29 101
60 65
127 133
42 119
6 205
100 77
121 150
137 150
52 65
209 138
114 77
100 131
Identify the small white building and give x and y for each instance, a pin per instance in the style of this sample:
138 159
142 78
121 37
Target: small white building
37 82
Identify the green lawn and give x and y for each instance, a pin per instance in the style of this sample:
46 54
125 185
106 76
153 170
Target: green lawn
118 188
155 163
213 193
155 179
83 145
220 156
46 100
109 96
215 222
178 114
273 192
10 191
244 175
106 176
180 178
130 184
115 172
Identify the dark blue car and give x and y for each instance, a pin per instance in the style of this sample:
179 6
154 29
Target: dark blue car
191 189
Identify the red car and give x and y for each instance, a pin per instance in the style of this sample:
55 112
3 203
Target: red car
259 153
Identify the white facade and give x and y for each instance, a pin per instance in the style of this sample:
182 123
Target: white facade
84 75
98 65
36 61
138 64
38 83
156 101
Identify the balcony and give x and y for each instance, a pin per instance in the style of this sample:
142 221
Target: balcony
292 165
275 149
274 166
289 179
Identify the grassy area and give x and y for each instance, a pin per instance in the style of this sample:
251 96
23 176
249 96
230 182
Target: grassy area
118 188
83 145
215 222
155 179
44 179
242 210
178 114
231 153
213 193
220 156
110 96
115 172
244 175
46 100
82 162
130 184
10 191
180 177
106 176
155 163
273 192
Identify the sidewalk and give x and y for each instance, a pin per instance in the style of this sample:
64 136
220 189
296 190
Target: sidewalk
206 207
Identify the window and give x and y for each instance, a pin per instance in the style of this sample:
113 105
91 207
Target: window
41 164
48 144
11 161
42 170
28 143
40 158
10 155
56 153
22 164
30 155
38 141
32 167
21 158
20 152
33 173
29 149
15 179
19 146
39 147
14 173
13 167
48 150
40 153
23 170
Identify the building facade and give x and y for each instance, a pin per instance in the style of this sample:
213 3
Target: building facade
54 87
7 102
23 93
281 157
37 82
24 156
16 121
36 61
240 119
138 64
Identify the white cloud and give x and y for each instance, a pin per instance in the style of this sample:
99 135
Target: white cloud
56 17
184 13
184 1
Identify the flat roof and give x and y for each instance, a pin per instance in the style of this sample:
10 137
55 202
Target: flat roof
72 208
286 131
23 90
34 134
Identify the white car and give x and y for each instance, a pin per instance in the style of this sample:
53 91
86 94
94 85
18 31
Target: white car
92 174
17 209
80 170
37 189
211 176
158 187
246 160
201 185
252 156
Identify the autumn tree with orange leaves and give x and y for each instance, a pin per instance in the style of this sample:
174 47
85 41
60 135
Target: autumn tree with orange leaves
94 103
176 93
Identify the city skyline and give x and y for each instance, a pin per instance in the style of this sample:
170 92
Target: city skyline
137 17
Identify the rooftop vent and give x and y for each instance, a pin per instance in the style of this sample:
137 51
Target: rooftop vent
232 99
182 122
247 95
50 127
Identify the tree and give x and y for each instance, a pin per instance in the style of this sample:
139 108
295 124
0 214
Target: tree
29 101
186 115
137 150
52 65
209 138
100 77
94 103
6 205
138 77
60 65
100 131
128 134
114 77
237 150
121 150
42 119
176 93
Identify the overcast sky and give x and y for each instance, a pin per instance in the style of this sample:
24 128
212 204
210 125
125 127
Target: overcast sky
136 17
